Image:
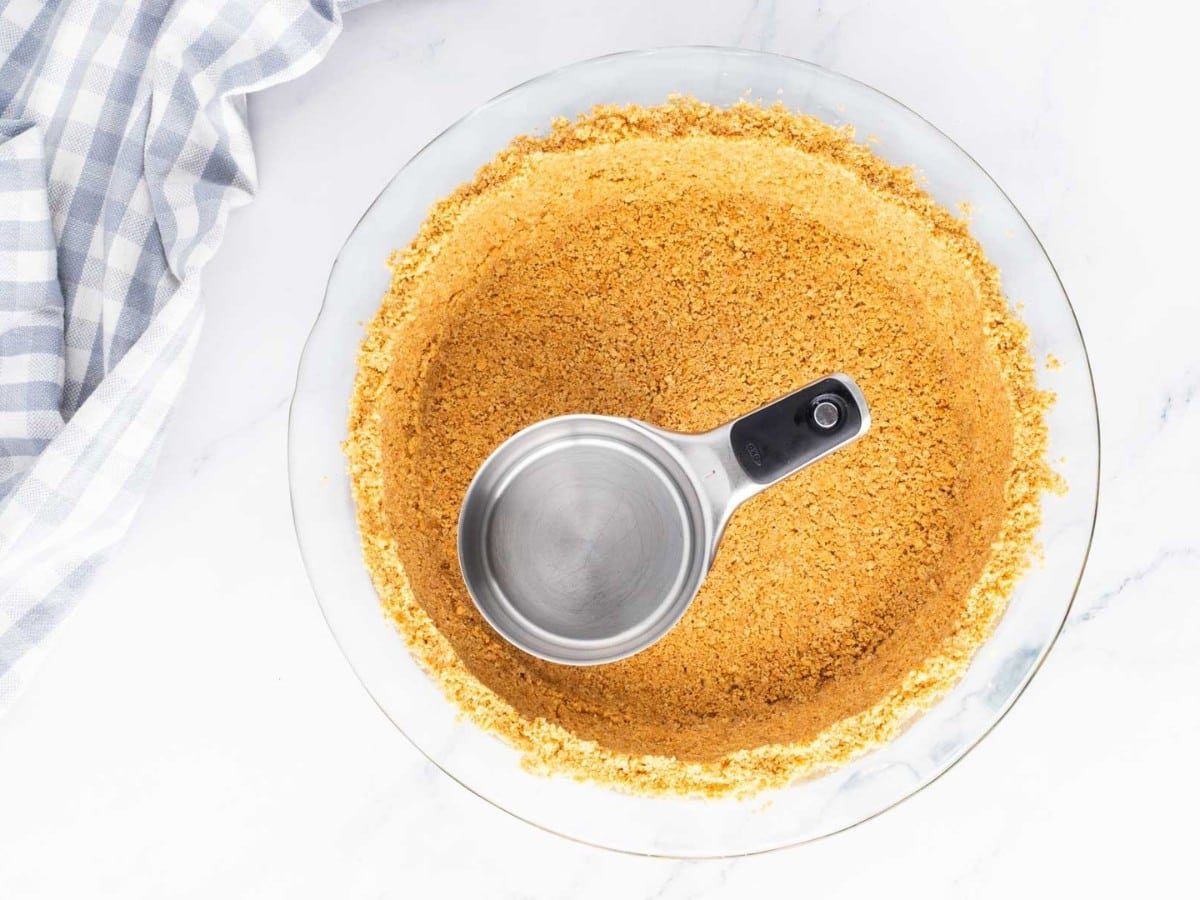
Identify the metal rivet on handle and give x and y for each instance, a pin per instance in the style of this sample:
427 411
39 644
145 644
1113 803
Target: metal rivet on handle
826 414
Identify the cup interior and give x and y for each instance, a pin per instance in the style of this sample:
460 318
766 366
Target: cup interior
581 540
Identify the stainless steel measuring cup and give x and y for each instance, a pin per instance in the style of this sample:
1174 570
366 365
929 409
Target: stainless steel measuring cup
583 539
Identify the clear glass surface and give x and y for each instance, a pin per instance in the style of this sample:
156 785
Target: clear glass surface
808 809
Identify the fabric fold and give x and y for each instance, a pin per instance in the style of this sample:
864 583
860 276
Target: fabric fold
31 306
123 149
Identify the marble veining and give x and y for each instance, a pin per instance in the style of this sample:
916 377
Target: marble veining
1186 556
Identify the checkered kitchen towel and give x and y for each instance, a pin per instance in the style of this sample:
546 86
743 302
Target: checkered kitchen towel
123 147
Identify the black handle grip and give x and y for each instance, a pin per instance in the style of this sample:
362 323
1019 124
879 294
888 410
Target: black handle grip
786 435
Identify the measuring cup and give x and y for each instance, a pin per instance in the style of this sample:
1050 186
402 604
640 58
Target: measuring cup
583 539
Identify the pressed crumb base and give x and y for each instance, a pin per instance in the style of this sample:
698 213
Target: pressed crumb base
683 264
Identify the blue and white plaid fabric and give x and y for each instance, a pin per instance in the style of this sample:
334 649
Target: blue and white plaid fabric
123 148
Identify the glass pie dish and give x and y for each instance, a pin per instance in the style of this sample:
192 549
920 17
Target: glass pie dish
676 826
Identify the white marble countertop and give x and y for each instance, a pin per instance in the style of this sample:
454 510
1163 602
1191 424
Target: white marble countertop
195 732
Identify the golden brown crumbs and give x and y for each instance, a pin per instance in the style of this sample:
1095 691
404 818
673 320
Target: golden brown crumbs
682 264
1053 363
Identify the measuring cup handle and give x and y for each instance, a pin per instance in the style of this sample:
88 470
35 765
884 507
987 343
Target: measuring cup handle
783 437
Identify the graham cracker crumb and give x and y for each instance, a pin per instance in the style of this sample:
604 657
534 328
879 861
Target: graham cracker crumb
683 264
1053 363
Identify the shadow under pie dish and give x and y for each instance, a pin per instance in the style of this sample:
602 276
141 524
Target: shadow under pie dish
680 262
